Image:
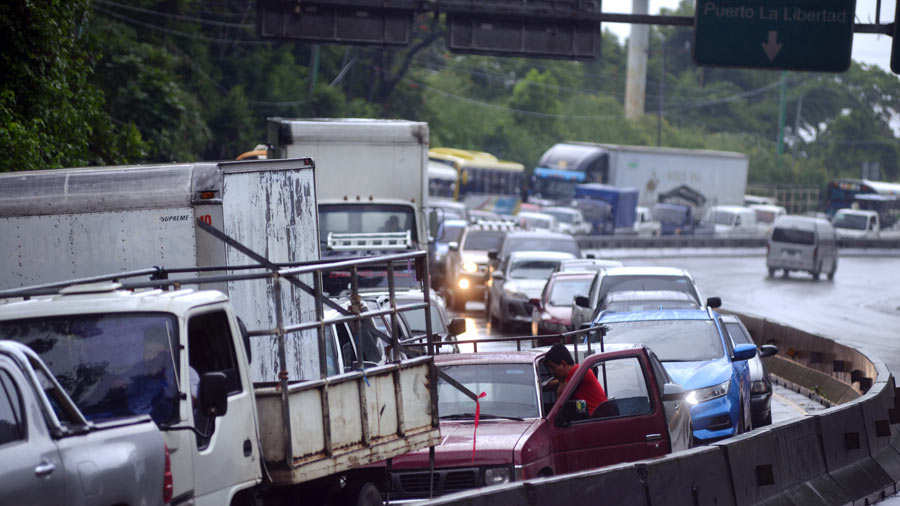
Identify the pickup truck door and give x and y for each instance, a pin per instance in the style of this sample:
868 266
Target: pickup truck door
230 459
631 425
30 464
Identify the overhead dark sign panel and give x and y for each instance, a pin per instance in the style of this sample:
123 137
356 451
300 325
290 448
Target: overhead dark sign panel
541 28
814 35
384 22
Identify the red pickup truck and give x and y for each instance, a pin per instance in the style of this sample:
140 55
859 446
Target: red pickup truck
524 431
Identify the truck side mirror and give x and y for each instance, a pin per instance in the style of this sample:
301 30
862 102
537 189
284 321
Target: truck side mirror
573 409
213 394
492 255
457 326
582 301
714 302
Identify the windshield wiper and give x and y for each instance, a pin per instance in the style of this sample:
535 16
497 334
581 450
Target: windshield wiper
484 416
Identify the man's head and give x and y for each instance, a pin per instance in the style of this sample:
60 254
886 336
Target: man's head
558 361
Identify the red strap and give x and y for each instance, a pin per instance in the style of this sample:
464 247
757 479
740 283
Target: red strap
477 416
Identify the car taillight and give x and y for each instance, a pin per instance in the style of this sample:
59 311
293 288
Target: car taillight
168 487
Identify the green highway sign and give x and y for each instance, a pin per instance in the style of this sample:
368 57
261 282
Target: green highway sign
775 34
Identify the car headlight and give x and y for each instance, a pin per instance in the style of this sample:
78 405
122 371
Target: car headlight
497 475
758 387
470 267
699 395
464 284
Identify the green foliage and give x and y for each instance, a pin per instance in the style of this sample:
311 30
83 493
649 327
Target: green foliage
102 82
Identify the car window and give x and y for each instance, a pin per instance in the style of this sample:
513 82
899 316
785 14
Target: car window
12 425
625 384
736 331
564 290
645 282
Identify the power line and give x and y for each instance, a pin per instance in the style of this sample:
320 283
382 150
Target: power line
178 33
180 17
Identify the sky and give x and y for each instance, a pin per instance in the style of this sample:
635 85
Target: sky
867 48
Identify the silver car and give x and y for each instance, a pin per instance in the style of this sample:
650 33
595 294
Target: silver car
760 382
519 280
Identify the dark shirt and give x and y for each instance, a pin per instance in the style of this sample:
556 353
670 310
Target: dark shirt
589 390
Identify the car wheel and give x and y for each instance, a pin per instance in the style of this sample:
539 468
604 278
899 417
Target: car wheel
363 494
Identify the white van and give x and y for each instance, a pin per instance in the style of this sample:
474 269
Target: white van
732 220
802 243
856 223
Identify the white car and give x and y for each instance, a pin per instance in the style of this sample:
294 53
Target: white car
732 220
766 215
518 280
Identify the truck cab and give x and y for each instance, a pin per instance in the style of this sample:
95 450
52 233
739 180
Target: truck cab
856 223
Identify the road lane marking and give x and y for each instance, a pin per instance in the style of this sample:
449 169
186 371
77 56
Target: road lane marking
789 402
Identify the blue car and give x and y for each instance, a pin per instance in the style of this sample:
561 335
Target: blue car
696 351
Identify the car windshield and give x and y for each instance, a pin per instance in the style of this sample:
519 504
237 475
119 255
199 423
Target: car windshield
509 389
451 233
111 365
628 306
794 236
483 240
415 319
565 245
564 290
851 221
647 282
671 340
369 218
532 269
724 218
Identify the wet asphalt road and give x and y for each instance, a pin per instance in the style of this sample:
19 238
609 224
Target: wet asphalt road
860 308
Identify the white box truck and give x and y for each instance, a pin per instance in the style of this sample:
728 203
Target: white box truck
371 178
720 176
245 415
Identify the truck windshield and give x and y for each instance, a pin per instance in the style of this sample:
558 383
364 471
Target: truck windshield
366 218
670 215
111 365
851 221
509 389
671 340
483 240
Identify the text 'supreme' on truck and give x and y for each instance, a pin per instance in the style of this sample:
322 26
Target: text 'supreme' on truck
276 426
50 453
371 178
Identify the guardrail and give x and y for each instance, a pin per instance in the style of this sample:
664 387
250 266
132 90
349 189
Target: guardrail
846 454
708 241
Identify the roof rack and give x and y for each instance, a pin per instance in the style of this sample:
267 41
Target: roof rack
369 241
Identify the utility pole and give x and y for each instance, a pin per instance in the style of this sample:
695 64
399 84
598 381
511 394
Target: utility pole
659 108
636 80
782 104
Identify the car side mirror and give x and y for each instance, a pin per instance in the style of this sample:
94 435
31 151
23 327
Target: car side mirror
213 394
457 326
453 246
582 301
493 255
591 256
744 352
714 302
767 350
536 303
673 392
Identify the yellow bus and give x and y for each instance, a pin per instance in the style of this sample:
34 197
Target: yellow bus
484 181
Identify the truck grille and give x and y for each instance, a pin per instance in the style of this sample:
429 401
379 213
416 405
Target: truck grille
414 484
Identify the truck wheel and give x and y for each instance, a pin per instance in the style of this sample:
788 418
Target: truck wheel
815 275
831 274
785 273
771 272
363 493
